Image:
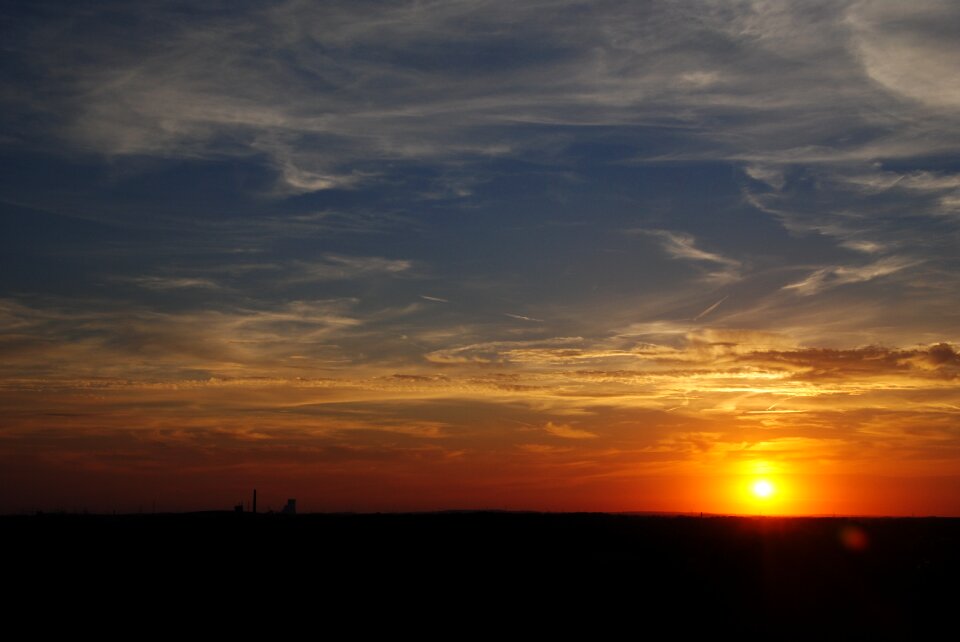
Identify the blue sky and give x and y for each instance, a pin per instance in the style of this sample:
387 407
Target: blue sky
478 191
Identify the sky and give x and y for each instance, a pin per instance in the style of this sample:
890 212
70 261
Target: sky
420 255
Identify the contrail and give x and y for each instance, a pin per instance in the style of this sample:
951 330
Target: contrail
711 308
523 318
434 298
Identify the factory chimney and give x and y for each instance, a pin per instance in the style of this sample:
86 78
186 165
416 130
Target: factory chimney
254 507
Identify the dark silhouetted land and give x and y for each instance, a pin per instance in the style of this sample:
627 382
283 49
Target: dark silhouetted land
594 573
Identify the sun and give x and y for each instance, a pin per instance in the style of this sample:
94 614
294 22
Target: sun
762 489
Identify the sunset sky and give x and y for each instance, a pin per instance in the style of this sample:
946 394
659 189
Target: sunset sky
567 255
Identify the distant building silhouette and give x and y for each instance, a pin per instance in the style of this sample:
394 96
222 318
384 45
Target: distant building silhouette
290 508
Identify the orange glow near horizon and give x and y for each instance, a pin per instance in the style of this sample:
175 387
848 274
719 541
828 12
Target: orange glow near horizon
521 435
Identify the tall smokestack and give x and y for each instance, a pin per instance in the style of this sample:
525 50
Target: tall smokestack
254 501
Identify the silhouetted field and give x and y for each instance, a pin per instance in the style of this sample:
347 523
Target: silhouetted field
524 572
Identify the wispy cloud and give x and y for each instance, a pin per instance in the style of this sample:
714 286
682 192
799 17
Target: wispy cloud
830 277
565 431
862 245
335 267
159 389
906 50
378 91
772 175
297 180
682 246
147 343
172 283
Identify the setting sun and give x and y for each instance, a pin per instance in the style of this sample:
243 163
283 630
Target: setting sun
762 489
